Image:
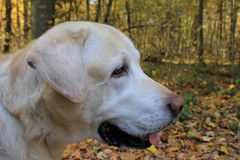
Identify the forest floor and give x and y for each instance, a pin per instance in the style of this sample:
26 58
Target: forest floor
207 128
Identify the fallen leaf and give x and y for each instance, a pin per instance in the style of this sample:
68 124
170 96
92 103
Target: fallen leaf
173 148
231 86
153 149
128 156
211 144
224 150
210 134
203 148
89 140
212 106
177 123
222 139
192 133
206 139
112 154
154 73
77 154
211 124
101 155
67 153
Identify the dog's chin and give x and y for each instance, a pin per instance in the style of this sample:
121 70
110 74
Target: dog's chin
114 136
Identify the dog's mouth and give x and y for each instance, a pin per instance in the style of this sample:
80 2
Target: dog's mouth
114 136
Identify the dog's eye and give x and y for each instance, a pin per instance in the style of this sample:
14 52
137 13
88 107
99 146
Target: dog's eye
119 72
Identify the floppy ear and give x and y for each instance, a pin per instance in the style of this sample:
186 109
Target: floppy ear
59 61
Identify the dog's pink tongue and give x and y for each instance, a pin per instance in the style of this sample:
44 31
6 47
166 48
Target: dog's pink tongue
153 138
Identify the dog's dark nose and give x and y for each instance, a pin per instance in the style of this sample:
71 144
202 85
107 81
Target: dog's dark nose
176 104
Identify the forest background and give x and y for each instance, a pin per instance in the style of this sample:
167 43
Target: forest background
191 46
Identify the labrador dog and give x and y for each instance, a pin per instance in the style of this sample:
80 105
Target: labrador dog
76 81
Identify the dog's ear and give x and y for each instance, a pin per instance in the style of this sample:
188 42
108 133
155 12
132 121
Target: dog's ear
59 61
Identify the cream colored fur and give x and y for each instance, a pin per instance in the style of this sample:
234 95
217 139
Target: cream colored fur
68 91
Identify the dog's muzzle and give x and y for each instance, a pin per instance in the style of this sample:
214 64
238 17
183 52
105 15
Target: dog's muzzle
115 136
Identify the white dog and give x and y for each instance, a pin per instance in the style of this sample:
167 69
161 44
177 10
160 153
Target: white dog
79 80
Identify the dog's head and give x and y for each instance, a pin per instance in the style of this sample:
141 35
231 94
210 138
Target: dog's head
96 68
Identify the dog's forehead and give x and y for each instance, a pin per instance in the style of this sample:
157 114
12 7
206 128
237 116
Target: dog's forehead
107 42
102 40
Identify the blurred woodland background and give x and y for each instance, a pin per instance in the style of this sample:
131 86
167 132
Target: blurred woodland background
181 31
191 46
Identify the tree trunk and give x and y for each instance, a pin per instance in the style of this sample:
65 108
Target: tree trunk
233 16
69 10
200 34
25 16
8 29
219 35
114 12
1 13
42 16
109 6
98 11
18 18
220 8
76 4
127 6
88 10
170 40
232 38
18 26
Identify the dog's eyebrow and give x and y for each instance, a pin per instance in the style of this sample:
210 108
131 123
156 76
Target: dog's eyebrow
137 54
121 59
134 54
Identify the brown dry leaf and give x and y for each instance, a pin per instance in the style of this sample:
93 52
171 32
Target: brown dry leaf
73 146
101 155
190 144
128 156
222 139
231 86
173 148
164 136
210 133
82 145
206 139
77 154
147 157
217 114
112 154
203 148
193 133
177 123
181 155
